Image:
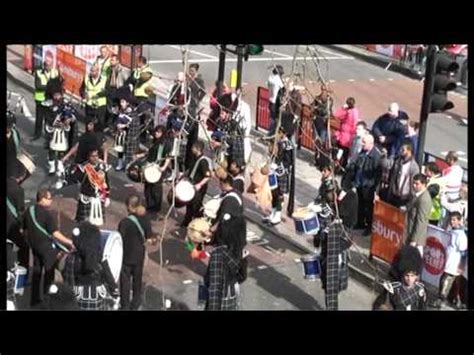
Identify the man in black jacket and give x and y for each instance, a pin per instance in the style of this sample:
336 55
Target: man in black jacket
389 129
135 230
364 174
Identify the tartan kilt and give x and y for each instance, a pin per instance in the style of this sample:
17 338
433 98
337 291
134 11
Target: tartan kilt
231 301
238 152
283 183
84 210
91 298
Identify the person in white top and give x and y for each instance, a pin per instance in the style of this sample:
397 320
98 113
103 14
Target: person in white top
275 84
243 116
456 253
453 176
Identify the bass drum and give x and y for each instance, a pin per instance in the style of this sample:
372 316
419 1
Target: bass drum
112 251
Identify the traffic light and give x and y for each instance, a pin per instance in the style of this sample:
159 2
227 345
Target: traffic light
444 67
252 49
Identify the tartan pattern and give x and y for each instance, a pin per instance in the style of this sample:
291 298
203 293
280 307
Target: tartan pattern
11 279
91 298
222 291
237 150
84 209
404 297
335 276
132 139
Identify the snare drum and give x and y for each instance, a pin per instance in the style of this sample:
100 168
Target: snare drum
120 141
211 207
112 251
306 221
196 230
311 266
21 279
184 193
152 173
273 180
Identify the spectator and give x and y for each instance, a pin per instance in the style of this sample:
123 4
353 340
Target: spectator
435 187
321 113
389 129
275 86
116 78
413 129
453 176
349 116
356 146
455 261
459 205
94 94
214 105
103 61
418 213
401 180
364 174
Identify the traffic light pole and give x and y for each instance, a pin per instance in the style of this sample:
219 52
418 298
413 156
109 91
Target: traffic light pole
240 57
426 103
221 72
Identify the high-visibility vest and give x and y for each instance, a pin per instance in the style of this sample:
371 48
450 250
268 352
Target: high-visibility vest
92 89
140 91
40 95
104 65
436 210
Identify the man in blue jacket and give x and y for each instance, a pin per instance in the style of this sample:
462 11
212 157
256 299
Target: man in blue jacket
390 129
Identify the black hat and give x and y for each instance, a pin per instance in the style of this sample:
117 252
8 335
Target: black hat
408 260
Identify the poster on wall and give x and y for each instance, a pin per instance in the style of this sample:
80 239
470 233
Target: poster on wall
434 255
49 51
89 53
73 71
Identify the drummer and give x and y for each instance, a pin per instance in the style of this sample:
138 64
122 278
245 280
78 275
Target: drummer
158 153
283 156
199 176
41 229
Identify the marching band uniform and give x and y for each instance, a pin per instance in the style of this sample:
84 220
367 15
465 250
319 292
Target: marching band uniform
94 192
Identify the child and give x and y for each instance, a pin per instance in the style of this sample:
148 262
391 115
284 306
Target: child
456 253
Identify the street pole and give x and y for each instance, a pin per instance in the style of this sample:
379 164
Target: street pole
426 103
221 72
240 55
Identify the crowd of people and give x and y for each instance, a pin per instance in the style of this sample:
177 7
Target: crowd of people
375 164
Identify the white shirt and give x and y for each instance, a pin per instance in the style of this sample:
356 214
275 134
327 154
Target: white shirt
244 114
453 177
274 84
404 184
457 244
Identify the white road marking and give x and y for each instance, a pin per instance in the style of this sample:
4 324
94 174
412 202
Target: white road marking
460 152
186 282
371 79
326 51
297 260
128 185
195 52
26 110
264 59
262 267
390 79
332 81
351 80
462 159
278 53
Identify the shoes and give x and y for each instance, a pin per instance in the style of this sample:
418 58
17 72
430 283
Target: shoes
276 219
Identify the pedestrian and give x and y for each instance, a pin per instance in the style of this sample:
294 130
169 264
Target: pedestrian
136 231
226 268
198 91
275 87
389 129
407 293
43 236
322 107
356 146
87 273
94 93
199 176
402 176
157 154
455 260
436 187
418 213
348 115
364 173
42 77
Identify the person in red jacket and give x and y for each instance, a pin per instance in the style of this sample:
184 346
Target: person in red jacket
348 115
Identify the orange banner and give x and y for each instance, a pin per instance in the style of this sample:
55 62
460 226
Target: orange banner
69 48
388 228
72 69
28 58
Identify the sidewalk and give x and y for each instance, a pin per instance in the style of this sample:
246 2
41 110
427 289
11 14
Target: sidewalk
307 180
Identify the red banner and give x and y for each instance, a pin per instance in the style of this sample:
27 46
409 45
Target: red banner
126 56
69 48
73 70
388 228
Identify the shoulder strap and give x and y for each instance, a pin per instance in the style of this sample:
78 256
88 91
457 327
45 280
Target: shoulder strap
160 152
135 221
12 208
55 244
193 172
233 194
